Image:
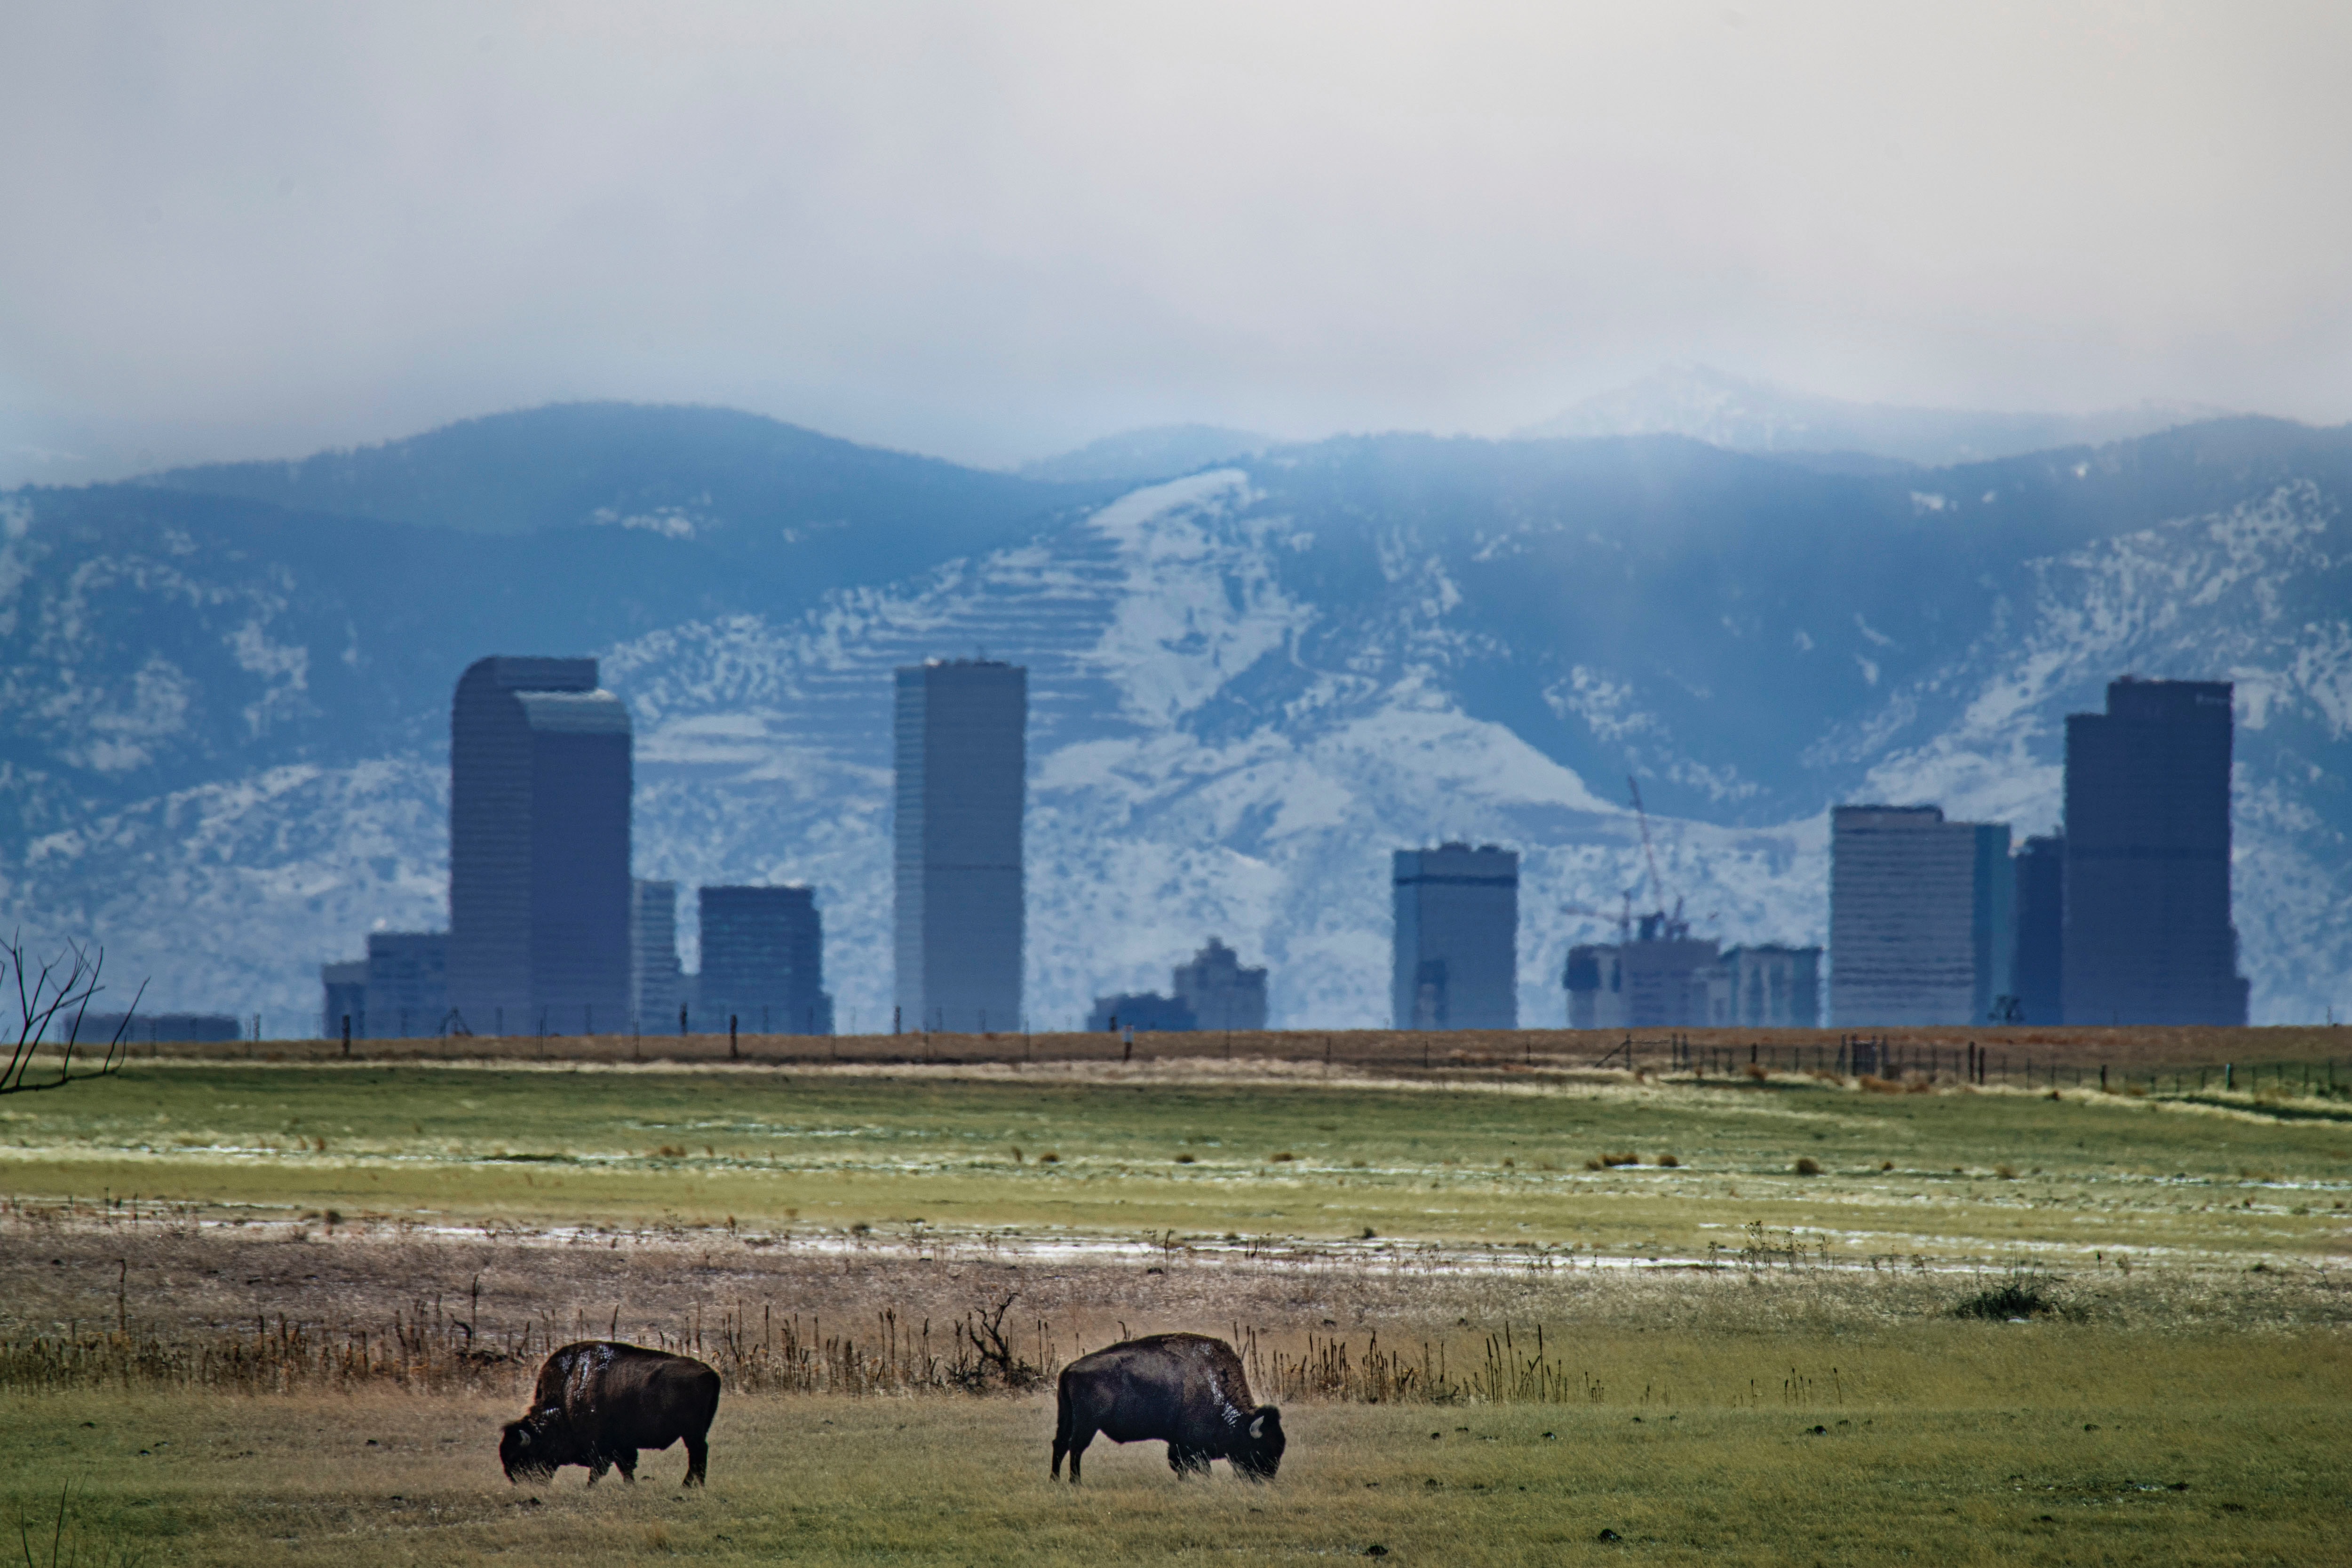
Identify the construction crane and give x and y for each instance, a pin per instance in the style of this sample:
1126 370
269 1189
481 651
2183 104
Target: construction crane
1658 923
1623 918
1650 854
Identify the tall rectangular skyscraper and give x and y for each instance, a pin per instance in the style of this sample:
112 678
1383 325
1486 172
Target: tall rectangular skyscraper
2034 973
539 849
2149 938
1993 921
1456 963
960 733
1903 915
764 960
653 955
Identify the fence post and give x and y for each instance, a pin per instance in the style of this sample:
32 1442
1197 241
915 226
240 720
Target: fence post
730 1037
347 1034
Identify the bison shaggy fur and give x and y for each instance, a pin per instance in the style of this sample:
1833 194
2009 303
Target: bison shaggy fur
599 1402
1186 1390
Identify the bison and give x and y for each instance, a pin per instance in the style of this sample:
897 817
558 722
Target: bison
599 1402
1186 1390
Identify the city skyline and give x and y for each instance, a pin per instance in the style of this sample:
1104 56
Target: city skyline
1920 907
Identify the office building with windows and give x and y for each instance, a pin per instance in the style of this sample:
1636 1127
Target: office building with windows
538 850
961 741
345 985
654 989
1769 986
764 960
1456 959
2041 931
1992 921
1903 917
2148 936
1219 991
407 985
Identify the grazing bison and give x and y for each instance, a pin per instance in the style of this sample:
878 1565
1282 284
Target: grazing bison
598 1402
1186 1390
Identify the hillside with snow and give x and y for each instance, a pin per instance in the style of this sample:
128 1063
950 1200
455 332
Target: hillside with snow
227 740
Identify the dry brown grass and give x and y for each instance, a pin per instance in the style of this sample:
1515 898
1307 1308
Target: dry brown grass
1935 1052
281 1306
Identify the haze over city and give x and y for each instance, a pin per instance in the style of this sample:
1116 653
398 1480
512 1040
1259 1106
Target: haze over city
993 232
1052 784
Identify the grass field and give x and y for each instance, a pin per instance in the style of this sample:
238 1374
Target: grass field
2194 1244
2002 1446
1953 1174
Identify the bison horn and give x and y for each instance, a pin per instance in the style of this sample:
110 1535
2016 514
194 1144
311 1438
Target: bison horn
1258 1428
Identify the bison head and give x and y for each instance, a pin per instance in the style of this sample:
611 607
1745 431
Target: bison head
1259 1454
528 1452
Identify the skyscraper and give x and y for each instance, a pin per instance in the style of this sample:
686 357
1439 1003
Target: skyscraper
2034 973
764 960
1993 921
1457 938
539 849
1902 916
653 955
960 733
2149 938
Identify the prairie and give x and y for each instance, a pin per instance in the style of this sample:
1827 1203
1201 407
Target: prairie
1205 1152
274 1313
2000 1447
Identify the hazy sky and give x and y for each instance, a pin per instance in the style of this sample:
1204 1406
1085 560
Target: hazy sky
993 231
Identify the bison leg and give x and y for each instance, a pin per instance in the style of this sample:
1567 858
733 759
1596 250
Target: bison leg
625 1461
697 1455
1077 1446
597 1468
1187 1461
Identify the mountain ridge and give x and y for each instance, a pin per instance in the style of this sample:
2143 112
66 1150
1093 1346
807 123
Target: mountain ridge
226 722
1746 415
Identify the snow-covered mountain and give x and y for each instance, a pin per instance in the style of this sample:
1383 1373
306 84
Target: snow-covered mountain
227 757
1747 416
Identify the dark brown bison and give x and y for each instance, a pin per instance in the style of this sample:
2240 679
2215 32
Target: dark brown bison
598 1402
1186 1390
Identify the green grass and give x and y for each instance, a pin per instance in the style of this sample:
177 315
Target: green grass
1975 1444
1693 1396
1494 1161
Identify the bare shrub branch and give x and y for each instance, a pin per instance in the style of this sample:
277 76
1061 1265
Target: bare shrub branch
56 992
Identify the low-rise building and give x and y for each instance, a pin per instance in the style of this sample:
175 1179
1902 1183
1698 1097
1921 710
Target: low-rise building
1220 992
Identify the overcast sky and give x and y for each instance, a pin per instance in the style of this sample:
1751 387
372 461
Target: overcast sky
994 231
